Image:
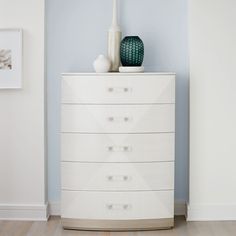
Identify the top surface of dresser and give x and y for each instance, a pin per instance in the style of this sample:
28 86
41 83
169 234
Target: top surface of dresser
118 88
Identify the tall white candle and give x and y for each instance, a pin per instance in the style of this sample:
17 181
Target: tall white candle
114 38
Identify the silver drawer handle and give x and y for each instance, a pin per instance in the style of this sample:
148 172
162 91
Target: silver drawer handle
119 119
118 206
119 149
127 119
119 178
119 89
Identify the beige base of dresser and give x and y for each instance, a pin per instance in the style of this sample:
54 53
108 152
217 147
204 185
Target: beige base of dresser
117 225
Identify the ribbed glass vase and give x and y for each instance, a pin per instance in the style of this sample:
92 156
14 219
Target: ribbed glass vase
131 51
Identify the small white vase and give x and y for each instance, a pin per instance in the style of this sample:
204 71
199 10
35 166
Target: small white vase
102 64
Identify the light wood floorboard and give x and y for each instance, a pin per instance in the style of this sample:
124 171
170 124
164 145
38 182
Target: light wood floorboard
53 228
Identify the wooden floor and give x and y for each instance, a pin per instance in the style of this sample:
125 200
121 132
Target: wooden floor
53 228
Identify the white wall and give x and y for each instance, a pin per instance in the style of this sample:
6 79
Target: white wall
22 132
212 110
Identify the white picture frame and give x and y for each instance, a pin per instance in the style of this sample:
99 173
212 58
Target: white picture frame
11 58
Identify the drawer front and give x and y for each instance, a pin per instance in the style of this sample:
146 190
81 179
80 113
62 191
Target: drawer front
117 147
118 118
118 90
117 176
117 205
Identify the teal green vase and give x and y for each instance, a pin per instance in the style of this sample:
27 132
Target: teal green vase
131 51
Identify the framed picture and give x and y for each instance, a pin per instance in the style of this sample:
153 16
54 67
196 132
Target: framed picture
10 58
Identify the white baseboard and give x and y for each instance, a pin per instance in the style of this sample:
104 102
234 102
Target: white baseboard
212 212
24 212
55 209
180 208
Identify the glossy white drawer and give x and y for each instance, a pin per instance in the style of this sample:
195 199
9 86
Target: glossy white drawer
117 205
118 90
117 176
117 147
118 118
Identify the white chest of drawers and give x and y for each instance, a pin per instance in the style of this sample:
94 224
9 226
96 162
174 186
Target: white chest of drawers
117 151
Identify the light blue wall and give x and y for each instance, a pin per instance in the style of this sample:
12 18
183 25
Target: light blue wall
77 33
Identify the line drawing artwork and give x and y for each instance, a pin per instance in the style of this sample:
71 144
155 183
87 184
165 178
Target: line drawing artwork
5 59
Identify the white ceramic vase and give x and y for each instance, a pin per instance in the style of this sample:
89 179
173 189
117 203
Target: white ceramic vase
102 64
114 38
